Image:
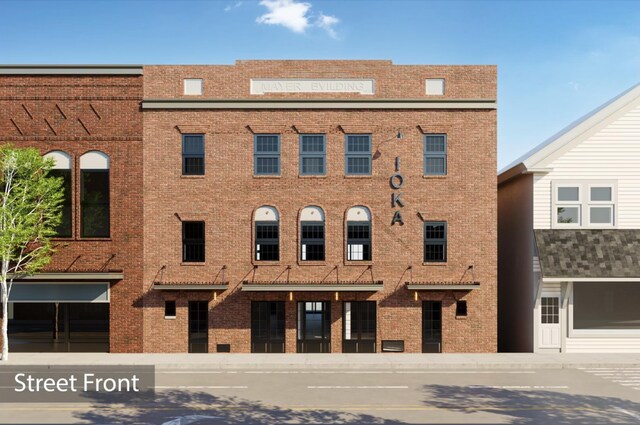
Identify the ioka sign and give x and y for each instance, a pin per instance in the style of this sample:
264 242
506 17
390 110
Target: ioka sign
396 181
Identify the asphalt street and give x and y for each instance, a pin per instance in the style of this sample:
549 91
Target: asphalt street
302 396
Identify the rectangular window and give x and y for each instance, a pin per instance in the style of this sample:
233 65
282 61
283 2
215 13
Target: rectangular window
313 154
606 306
601 205
94 203
435 154
568 208
267 241
266 158
358 241
64 228
435 242
193 154
312 241
193 241
169 309
550 310
461 308
358 154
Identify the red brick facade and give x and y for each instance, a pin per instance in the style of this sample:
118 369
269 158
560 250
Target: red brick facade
226 197
150 196
76 114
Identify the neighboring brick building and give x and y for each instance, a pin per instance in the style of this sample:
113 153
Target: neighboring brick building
234 154
88 119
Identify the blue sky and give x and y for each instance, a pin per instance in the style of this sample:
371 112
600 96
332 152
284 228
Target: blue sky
556 60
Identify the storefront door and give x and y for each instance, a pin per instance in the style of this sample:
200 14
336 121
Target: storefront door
267 327
314 327
549 321
431 327
359 327
198 326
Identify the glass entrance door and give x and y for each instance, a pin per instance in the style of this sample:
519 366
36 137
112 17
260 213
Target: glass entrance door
267 326
314 327
431 327
359 327
198 326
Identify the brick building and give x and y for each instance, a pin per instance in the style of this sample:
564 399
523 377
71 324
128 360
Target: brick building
320 206
296 206
88 119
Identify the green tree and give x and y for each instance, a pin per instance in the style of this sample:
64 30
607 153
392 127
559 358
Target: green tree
31 209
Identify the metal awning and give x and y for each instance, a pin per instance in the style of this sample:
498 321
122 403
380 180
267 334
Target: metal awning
443 286
312 287
190 286
74 276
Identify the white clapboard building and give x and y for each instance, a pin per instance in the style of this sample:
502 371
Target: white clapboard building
569 237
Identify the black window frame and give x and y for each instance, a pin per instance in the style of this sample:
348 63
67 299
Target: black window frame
306 241
348 154
266 155
65 228
360 241
437 154
200 170
260 241
85 204
435 242
313 154
169 307
462 308
196 243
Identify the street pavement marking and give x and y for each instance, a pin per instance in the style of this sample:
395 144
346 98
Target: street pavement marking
523 387
465 372
333 372
627 377
359 387
200 387
346 407
626 412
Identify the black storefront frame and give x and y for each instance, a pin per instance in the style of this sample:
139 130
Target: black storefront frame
268 327
361 312
305 344
431 326
66 331
198 327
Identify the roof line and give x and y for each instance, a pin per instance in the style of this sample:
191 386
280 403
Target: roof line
551 140
70 69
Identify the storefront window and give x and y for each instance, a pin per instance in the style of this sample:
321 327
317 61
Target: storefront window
606 305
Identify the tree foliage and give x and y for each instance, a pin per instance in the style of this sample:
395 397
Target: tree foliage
30 210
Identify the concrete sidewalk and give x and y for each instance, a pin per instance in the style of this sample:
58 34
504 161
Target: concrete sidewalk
332 361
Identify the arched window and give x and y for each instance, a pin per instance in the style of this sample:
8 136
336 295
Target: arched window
267 242
312 234
359 234
94 195
62 169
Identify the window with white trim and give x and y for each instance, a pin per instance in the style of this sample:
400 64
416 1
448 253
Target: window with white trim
358 234
601 208
584 204
568 206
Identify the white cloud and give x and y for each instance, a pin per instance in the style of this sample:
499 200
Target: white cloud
295 15
234 6
328 23
287 13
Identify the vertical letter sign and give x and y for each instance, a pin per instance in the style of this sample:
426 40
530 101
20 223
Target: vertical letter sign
397 181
